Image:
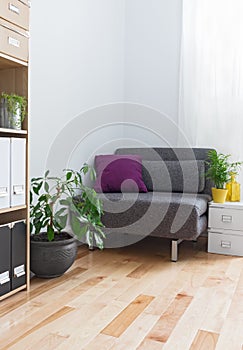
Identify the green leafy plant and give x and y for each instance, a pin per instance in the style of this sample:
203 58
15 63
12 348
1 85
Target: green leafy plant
52 202
219 168
15 103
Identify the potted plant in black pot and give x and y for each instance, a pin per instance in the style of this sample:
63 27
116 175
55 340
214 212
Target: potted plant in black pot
13 109
219 169
52 207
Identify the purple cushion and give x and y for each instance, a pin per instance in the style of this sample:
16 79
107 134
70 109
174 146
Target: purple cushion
119 173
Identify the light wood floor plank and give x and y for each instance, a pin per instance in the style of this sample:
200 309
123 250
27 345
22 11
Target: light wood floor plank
149 344
167 322
204 341
140 271
49 342
221 281
231 335
101 341
134 334
236 307
127 316
217 309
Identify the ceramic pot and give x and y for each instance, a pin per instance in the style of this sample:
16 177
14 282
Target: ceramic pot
52 259
219 195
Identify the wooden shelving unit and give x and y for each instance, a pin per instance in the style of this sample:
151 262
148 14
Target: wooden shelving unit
14 79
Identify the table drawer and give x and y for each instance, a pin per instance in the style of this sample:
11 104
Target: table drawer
227 219
13 42
15 12
228 244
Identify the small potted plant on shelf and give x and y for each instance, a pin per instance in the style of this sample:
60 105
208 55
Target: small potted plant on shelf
12 110
52 207
219 169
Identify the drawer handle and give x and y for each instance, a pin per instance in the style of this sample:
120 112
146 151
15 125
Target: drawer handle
13 42
226 218
13 8
225 244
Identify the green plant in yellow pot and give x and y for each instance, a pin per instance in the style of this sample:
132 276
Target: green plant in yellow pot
219 169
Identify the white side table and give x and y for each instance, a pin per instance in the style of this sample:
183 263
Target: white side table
225 228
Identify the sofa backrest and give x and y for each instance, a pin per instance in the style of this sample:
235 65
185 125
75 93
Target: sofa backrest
173 169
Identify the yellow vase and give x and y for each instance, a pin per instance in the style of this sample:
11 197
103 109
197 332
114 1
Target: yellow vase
233 187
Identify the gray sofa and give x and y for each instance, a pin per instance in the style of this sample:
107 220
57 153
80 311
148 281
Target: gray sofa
175 206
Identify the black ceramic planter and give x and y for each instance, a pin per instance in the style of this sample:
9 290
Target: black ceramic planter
52 259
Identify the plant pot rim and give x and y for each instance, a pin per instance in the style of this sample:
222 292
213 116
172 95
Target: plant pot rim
221 189
53 243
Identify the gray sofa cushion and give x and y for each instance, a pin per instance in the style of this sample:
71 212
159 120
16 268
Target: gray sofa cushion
172 215
174 176
171 154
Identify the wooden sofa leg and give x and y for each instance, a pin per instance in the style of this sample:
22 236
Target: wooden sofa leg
174 249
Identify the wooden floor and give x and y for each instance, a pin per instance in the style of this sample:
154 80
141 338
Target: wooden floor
132 298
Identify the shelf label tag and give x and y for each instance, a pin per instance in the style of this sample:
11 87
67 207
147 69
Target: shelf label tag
3 191
13 8
13 42
4 277
19 271
18 189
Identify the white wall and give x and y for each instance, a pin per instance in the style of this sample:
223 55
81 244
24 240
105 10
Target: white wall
90 53
153 31
77 62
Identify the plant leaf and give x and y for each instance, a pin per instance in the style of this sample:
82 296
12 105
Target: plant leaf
68 175
75 225
50 233
62 221
37 188
46 187
89 238
98 240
